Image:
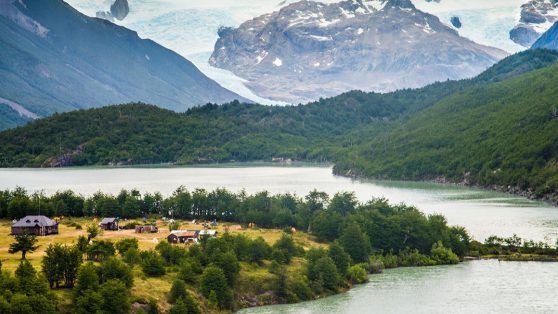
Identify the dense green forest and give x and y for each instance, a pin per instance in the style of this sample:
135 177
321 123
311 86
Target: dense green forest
502 134
496 129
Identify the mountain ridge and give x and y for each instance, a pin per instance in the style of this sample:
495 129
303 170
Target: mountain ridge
57 59
370 45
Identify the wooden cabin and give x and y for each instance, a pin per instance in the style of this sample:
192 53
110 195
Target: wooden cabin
109 224
147 229
183 236
35 225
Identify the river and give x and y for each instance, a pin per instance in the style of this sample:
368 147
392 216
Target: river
471 287
483 213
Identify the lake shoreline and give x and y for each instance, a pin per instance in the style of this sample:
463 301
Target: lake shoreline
550 199
357 286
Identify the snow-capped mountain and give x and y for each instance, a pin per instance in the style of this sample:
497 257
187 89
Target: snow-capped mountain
536 17
190 27
310 49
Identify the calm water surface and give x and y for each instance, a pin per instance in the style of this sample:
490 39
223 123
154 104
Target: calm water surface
471 287
483 213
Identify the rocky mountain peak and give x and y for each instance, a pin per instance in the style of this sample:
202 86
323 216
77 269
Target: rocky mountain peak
310 49
536 17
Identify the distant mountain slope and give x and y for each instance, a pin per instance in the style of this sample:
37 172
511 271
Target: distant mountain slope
309 50
549 39
503 134
55 59
330 129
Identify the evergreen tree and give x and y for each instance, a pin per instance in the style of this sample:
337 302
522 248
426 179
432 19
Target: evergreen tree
213 279
341 258
178 291
115 297
152 264
114 268
24 243
356 243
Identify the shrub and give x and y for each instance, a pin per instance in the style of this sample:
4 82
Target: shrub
132 257
113 268
299 287
178 291
357 274
126 244
213 279
115 297
152 264
409 258
442 255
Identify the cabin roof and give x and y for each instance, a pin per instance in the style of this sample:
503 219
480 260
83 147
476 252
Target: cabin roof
108 220
184 233
32 221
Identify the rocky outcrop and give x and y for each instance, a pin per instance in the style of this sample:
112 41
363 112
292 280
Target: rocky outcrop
549 39
309 50
537 16
456 22
118 10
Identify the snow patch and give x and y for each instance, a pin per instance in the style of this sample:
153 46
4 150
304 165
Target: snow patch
277 62
321 38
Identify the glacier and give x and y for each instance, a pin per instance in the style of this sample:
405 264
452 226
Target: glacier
190 27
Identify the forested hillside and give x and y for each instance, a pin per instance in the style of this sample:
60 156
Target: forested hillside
502 134
499 128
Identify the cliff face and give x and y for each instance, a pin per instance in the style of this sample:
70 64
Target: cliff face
549 39
309 50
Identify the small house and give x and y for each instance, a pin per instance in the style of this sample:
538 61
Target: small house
109 224
36 225
147 229
183 236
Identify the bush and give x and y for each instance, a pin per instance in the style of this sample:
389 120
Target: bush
299 287
357 274
410 258
113 268
185 306
170 253
178 291
100 250
186 271
132 257
287 247
115 297
442 255
375 266
152 264
213 279
126 244
341 258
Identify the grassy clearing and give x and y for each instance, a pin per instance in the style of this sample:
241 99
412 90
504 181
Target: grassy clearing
252 277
